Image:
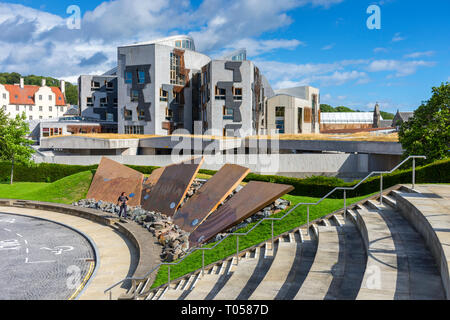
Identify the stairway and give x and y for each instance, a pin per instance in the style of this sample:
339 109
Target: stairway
372 251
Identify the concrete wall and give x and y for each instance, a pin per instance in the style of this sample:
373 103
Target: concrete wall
293 164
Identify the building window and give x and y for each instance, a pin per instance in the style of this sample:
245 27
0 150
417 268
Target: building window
178 43
89 102
128 115
17 107
103 102
128 77
237 94
30 108
141 114
50 97
40 108
175 70
134 129
169 114
95 84
141 77
50 108
227 113
40 117
30 118
110 117
220 94
40 97
134 95
299 120
115 101
15 96
163 94
4 96
279 119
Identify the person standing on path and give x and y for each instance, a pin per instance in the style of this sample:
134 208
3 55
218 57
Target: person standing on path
122 201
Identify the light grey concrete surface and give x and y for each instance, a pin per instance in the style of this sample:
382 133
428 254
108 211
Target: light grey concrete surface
428 211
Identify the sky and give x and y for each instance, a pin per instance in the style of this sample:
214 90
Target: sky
323 43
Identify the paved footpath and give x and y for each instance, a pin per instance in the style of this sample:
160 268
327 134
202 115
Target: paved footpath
117 255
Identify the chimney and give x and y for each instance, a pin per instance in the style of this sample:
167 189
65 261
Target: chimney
43 82
21 83
63 86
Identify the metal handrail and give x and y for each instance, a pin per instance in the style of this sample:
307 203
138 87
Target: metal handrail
135 279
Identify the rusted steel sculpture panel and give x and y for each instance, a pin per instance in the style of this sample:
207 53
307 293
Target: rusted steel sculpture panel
209 196
253 197
148 184
168 193
113 178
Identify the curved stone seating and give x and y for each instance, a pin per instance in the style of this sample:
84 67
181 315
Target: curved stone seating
428 210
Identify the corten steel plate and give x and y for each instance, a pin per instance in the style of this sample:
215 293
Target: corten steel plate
253 197
148 185
113 178
172 186
209 196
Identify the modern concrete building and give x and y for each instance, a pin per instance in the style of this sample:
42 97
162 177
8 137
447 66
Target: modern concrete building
233 98
294 111
97 96
156 94
37 102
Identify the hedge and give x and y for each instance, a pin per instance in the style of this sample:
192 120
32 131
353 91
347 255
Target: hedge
316 186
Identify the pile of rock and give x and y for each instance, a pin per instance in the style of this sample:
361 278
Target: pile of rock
174 241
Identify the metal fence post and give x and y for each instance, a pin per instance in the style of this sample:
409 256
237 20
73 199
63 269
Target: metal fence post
381 188
345 204
110 295
237 250
414 173
203 262
168 279
272 234
307 213
134 289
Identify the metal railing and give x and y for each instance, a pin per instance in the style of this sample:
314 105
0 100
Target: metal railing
145 277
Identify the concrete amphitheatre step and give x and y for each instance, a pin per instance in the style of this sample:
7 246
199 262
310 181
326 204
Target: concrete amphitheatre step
399 249
427 208
399 266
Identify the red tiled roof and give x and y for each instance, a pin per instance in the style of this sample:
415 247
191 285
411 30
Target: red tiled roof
59 97
17 95
26 94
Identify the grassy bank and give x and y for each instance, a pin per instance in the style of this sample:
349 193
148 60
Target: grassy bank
261 233
66 190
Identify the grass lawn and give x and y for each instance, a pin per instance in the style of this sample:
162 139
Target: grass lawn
66 190
261 233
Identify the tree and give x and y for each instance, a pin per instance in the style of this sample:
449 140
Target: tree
428 131
14 146
387 115
326 108
343 109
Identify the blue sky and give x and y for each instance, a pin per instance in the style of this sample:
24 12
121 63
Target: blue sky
323 43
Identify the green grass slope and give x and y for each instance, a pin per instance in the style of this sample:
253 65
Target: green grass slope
65 190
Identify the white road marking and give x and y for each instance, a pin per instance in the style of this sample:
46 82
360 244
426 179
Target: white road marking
26 250
6 229
10 244
19 235
59 249
26 242
50 261
8 220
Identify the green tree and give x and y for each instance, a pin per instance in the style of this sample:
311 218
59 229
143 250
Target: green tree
387 115
14 146
343 109
326 108
428 131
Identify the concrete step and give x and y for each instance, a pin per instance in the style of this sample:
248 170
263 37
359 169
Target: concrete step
279 270
387 199
325 267
246 277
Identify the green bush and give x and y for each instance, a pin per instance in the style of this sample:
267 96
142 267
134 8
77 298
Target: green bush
316 186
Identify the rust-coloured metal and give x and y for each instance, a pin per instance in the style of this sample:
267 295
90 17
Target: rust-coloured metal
113 178
172 186
148 184
253 197
307 115
209 196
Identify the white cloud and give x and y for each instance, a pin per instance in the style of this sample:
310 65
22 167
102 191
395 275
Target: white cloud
397 37
378 50
402 68
329 46
419 54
